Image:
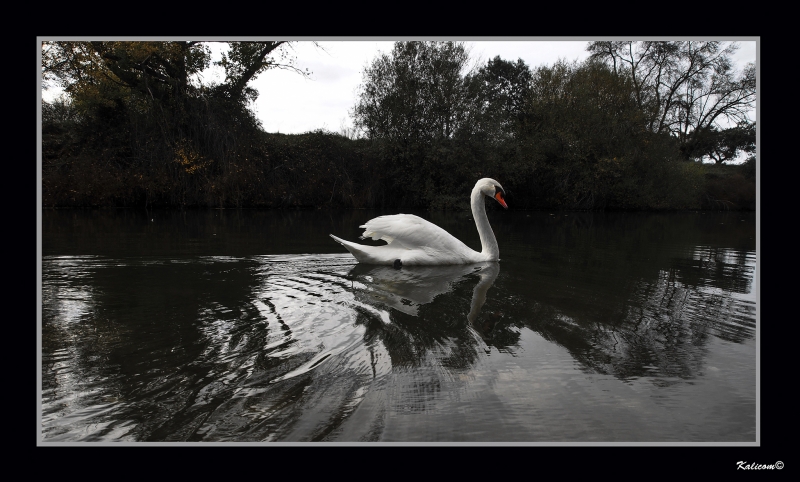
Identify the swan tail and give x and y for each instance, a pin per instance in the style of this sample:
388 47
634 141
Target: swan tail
355 249
341 241
368 254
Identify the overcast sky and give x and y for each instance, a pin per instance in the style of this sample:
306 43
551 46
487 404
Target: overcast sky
290 104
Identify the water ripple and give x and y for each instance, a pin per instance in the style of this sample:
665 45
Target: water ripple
316 348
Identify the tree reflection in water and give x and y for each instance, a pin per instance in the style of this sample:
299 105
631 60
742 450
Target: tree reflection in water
157 346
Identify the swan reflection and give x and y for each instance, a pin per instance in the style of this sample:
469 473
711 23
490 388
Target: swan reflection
487 277
409 288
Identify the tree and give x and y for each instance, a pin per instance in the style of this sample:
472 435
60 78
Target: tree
415 94
581 125
412 102
141 107
722 145
586 144
498 92
683 86
245 60
160 70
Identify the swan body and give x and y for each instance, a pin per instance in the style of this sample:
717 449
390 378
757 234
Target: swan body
415 241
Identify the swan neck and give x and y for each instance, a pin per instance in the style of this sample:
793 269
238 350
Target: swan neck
488 241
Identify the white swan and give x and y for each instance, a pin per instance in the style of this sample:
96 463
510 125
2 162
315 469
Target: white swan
415 241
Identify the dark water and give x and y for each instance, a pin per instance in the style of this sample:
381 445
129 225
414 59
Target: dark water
250 326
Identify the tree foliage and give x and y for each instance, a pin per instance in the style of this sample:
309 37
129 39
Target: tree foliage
572 135
683 86
142 115
165 71
415 94
412 102
722 145
590 147
140 127
497 93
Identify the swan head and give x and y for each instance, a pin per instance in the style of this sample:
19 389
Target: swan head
491 188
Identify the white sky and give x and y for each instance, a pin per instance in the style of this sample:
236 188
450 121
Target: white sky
290 104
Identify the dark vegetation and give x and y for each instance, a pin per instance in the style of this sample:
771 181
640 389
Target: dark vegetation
625 129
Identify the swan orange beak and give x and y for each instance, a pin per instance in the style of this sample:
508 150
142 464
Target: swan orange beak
499 197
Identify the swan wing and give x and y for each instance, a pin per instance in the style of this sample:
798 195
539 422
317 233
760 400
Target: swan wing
412 240
372 254
412 232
